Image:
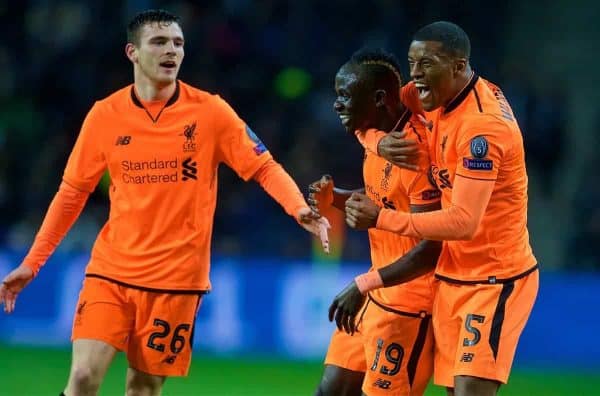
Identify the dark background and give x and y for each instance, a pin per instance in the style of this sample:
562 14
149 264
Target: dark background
274 62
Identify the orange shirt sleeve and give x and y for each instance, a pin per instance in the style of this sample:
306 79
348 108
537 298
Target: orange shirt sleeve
87 162
281 187
481 145
62 213
409 95
460 221
239 146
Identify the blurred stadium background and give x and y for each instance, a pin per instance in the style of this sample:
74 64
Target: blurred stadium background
263 330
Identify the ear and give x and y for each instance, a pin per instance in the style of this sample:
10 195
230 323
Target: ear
131 52
380 96
460 65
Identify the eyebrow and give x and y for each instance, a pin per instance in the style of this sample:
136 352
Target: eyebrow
158 38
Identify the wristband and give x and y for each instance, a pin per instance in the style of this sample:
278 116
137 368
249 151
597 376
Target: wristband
368 281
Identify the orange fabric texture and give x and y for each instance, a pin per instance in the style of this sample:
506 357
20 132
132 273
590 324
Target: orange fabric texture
279 185
399 351
62 213
163 170
477 328
154 329
459 221
398 189
477 138
346 351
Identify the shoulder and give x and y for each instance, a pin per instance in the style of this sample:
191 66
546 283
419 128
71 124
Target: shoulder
116 99
192 95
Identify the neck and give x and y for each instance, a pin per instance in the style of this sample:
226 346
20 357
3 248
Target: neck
460 83
150 91
389 119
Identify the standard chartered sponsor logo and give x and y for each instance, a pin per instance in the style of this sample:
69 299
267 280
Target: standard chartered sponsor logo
152 171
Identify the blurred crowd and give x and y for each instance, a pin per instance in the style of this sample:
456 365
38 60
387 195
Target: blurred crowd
274 62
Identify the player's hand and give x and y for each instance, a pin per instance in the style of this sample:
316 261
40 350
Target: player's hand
361 212
12 285
320 193
345 307
399 150
316 225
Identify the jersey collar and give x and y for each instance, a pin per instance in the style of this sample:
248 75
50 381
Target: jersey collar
454 103
170 102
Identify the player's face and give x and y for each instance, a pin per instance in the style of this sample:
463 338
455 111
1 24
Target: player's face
160 52
432 70
352 102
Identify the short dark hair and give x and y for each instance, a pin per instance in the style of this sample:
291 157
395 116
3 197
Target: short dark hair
454 40
145 17
380 64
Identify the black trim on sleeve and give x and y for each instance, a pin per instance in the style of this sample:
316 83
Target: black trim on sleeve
498 318
148 289
403 120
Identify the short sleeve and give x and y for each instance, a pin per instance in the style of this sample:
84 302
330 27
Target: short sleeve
481 147
87 162
239 147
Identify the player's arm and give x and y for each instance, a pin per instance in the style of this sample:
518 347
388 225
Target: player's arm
397 147
245 153
83 170
283 189
418 261
394 146
473 186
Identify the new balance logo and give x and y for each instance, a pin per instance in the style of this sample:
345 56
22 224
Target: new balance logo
123 140
467 357
189 169
383 384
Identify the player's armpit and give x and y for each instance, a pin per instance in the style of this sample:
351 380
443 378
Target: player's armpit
460 221
62 213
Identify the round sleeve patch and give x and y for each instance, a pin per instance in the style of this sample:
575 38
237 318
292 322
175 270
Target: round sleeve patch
479 147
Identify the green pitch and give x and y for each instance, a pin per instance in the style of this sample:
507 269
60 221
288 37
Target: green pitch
33 372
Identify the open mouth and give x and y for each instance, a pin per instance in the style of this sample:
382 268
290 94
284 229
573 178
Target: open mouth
168 64
424 91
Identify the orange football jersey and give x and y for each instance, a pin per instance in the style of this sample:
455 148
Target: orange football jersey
477 137
163 169
395 188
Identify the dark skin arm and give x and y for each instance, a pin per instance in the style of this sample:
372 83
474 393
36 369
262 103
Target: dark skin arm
418 261
323 193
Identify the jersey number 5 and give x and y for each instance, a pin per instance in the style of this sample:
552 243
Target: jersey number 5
177 341
476 333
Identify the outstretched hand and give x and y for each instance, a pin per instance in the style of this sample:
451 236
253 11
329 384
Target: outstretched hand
345 307
316 225
320 193
12 285
399 150
361 212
